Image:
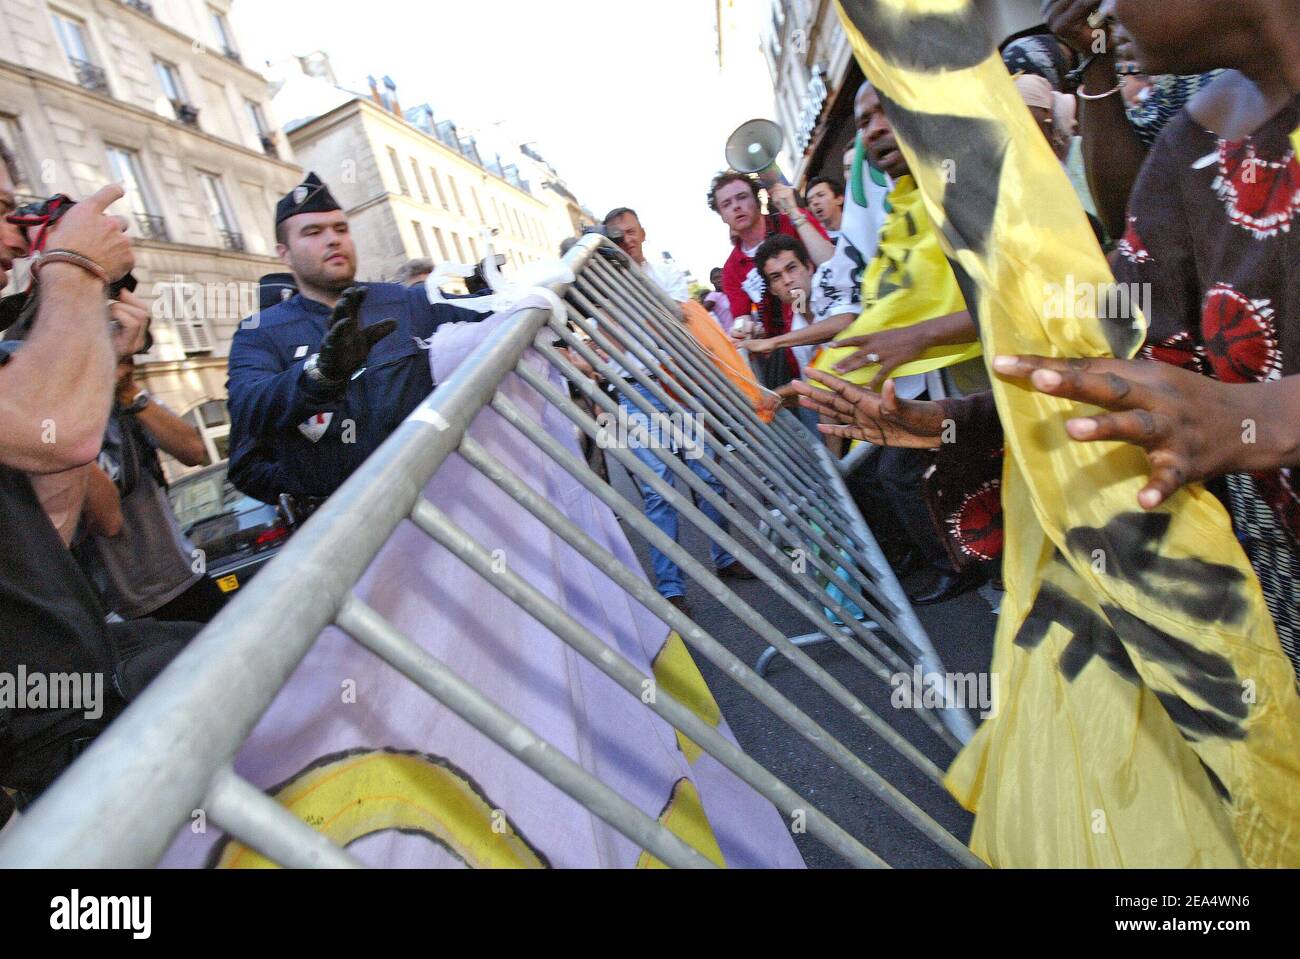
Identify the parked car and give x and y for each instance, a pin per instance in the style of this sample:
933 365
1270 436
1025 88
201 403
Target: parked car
238 534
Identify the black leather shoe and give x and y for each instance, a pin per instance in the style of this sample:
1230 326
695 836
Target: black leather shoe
947 585
735 571
683 607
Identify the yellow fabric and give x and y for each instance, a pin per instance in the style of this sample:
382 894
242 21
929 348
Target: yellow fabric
357 794
907 282
684 817
1139 672
676 674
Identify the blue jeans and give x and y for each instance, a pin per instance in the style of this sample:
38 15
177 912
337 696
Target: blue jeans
668 575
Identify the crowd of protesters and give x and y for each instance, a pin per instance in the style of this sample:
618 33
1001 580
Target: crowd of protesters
1180 150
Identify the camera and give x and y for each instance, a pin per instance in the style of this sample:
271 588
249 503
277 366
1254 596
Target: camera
18 312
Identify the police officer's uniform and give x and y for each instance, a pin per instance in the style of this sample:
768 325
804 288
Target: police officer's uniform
290 433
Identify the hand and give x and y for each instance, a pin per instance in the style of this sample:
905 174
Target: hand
888 348
130 317
1069 20
347 345
765 345
1191 426
87 230
880 418
784 197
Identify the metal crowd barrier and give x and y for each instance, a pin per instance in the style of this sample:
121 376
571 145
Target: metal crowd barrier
123 801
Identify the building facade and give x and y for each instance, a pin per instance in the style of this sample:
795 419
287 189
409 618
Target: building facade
815 76
414 186
154 95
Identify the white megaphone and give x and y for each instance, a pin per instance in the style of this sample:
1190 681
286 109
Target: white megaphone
753 149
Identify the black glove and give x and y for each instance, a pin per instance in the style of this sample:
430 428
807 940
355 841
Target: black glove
347 345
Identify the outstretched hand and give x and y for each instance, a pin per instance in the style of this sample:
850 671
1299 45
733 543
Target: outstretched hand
347 345
880 418
1191 426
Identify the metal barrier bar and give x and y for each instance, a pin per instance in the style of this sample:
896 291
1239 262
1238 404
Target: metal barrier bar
635 517
693 514
261 823
742 491
730 447
692 634
379 636
528 598
685 360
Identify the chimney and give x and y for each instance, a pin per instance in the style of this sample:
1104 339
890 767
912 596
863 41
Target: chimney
392 96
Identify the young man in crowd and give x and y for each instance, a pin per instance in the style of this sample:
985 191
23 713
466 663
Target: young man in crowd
826 201
734 197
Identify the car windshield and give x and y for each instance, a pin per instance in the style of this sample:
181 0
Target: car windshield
198 498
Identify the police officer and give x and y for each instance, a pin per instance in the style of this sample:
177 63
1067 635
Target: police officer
319 380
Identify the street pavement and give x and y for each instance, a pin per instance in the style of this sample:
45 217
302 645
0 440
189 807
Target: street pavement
962 633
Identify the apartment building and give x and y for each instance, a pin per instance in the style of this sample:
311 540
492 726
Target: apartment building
154 95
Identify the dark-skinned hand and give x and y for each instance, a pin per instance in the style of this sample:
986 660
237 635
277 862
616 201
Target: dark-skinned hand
888 348
1191 426
1069 20
347 345
880 418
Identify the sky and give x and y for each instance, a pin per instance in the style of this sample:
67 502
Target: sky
624 98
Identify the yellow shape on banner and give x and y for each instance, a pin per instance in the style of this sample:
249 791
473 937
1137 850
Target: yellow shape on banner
684 817
1147 716
357 794
676 674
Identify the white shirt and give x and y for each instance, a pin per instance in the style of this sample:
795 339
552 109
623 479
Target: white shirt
668 278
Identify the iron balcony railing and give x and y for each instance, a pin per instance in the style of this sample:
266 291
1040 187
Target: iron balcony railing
90 76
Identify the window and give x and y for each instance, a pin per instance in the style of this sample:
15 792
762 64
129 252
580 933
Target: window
419 238
437 185
455 193
460 250
169 79
212 420
473 247
188 319
11 134
419 180
124 167
72 36
397 169
224 35
263 129
442 244
477 205
219 211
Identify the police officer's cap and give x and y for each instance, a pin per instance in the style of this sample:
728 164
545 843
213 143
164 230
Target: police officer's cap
309 196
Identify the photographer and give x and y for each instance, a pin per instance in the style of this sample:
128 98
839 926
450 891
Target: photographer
55 392
148 567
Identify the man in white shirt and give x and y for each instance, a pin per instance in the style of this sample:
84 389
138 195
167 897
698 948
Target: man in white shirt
626 225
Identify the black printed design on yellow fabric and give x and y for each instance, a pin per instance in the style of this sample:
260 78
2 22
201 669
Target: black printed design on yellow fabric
677 675
354 794
951 36
683 816
1147 713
